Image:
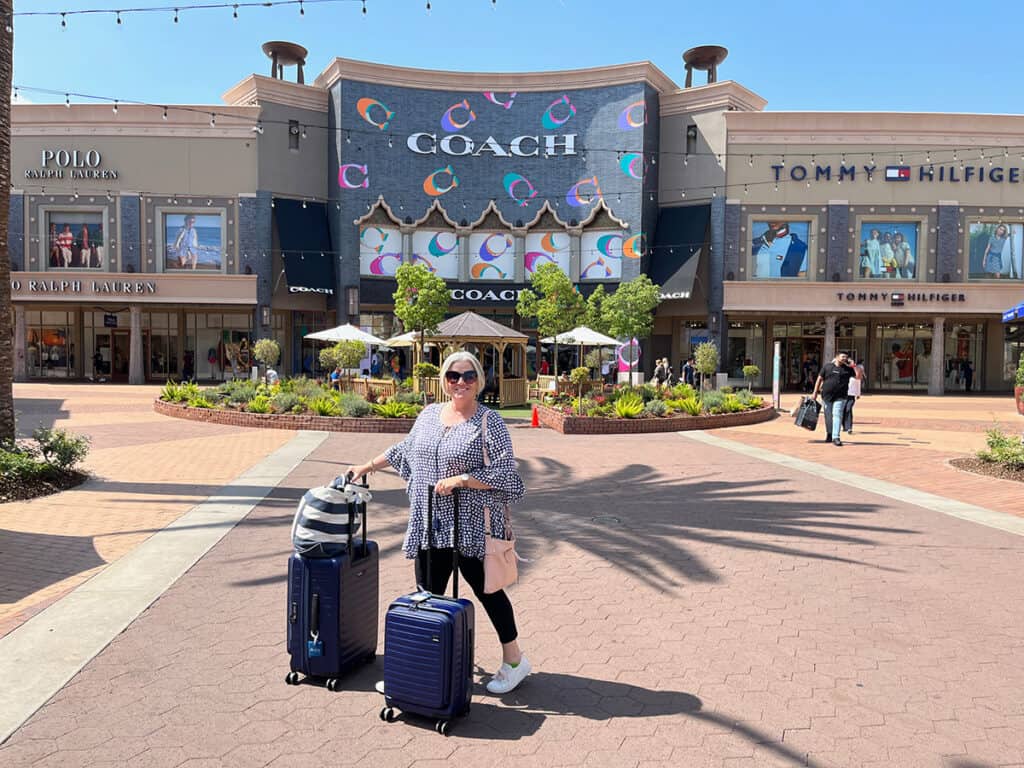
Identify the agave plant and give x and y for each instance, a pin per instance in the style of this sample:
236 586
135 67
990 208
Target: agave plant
629 405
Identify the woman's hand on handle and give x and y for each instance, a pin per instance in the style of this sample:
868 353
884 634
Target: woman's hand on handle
446 486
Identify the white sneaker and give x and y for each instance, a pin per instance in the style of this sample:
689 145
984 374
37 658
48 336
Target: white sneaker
508 678
379 687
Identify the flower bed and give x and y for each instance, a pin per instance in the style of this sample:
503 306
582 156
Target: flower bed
647 408
569 424
293 404
283 420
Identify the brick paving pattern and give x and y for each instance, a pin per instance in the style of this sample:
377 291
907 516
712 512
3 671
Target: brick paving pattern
148 471
682 608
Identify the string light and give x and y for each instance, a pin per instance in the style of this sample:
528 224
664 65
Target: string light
213 120
115 106
119 17
303 132
364 7
302 11
63 20
234 10
165 113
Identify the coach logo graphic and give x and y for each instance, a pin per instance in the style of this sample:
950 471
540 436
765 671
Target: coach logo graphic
305 289
354 182
459 145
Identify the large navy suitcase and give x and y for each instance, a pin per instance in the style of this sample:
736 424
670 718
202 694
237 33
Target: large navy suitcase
332 609
428 649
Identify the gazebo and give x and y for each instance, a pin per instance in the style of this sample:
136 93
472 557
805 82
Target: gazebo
472 330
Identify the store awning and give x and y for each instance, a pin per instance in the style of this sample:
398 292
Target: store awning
305 242
678 241
1013 314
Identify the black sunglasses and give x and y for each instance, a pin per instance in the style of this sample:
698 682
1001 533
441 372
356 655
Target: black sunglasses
467 376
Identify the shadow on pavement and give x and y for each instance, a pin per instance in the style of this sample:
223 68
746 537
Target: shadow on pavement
41 559
30 414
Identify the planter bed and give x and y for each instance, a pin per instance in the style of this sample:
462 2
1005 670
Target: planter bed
590 425
283 420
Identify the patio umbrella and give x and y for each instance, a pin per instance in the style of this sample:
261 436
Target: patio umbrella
581 336
347 332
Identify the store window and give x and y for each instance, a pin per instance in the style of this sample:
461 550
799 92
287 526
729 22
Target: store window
548 248
779 249
193 240
492 256
306 352
889 250
380 251
601 253
217 346
438 251
1013 350
49 344
994 250
74 239
904 355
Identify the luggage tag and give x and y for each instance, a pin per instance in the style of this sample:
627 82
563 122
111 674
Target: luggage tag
314 647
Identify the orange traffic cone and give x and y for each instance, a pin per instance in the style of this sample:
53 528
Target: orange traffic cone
535 419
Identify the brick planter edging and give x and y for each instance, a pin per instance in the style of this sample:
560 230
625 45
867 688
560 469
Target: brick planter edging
283 420
589 425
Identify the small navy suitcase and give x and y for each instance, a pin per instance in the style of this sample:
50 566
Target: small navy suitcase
332 609
428 649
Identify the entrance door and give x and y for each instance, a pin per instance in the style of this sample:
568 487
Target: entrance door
120 353
801 362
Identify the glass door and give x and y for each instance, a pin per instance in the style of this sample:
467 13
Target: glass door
121 350
904 356
963 363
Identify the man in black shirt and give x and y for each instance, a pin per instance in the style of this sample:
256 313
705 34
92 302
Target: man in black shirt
833 383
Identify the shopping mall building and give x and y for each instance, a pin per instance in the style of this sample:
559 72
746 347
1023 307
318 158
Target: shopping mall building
151 242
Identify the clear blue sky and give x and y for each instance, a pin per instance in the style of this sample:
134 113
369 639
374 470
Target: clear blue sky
898 55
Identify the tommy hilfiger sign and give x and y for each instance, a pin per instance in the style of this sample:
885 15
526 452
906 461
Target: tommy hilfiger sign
978 174
898 298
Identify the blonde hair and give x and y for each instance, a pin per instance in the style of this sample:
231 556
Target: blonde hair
458 357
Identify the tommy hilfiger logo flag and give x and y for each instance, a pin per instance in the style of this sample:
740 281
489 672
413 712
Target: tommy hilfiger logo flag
897 173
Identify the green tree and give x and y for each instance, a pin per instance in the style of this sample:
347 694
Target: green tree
629 312
705 359
267 351
6 332
553 301
421 300
595 319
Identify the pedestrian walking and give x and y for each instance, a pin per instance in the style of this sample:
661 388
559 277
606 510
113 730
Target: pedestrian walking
661 373
689 371
833 384
853 393
446 449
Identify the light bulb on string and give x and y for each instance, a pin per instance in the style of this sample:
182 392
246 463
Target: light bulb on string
63 20
746 190
234 10
303 131
165 113
428 7
119 17
115 106
302 11
683 194
782 162
928 156
750 162
213 120
390 144
67 100
364 7
303 203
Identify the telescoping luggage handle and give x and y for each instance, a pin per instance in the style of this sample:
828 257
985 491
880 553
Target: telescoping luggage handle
349 480
430 534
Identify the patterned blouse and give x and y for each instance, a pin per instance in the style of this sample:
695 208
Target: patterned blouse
432 452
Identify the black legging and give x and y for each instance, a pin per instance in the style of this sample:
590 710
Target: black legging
497 604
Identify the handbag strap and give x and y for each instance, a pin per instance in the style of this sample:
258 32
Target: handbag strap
483 439
487 463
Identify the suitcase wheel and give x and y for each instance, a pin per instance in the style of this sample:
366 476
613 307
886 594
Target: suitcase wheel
332 684
442 727
292 678
387 714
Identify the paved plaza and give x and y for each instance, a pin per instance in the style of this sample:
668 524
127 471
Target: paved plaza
746 597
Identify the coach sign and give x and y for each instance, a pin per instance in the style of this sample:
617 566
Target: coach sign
177 289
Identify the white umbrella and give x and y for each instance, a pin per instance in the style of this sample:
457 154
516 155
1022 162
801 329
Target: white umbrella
582 336
347 332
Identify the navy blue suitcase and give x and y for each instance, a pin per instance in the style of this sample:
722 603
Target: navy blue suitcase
428 649
332 610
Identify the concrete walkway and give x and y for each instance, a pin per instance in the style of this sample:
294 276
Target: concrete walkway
687 603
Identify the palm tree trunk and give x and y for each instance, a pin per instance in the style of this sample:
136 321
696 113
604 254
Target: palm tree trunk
6 345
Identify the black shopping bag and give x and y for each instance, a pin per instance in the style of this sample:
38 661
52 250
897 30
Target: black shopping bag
807 413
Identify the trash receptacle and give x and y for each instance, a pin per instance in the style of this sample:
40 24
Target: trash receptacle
721 380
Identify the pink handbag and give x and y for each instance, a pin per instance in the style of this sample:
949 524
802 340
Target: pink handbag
501 566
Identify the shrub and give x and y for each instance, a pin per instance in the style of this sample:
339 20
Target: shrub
629 405
1020 372
61 448
706 358
1005 450
283 402
303 387
728 390
266 351
351 404
21 467
394 410
171 392
649 392
749 399
324 405
236 392
682 391
691 405
199 401
425 370
215 396
751 372
407 397
712 401
259 404
655 408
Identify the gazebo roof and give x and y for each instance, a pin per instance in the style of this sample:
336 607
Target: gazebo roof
469 326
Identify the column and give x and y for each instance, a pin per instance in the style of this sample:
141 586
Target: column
136 370
830 339
937 374
20 363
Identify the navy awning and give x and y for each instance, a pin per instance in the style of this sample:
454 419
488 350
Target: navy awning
678 241
1013 314
305 242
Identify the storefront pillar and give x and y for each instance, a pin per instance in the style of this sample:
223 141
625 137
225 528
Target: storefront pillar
136 370
20 367
937 375
829 351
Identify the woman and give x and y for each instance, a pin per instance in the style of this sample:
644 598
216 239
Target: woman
445 449
992 260
904 258
888 258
